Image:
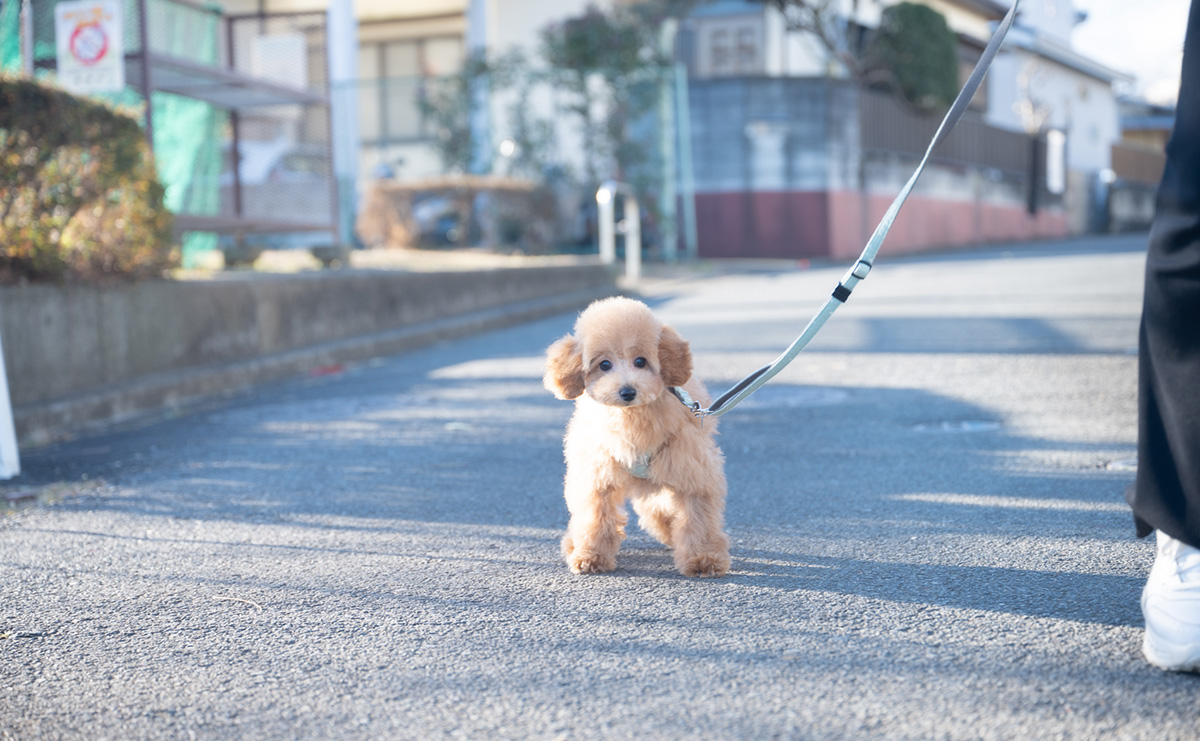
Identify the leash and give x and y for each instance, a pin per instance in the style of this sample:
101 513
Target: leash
862 267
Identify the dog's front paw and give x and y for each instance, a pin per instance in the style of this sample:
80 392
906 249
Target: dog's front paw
706 565
584 556
591 563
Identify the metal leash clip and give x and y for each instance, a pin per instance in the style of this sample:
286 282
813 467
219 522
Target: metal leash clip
697 410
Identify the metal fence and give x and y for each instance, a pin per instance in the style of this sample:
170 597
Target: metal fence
1017 160
237 113
285 175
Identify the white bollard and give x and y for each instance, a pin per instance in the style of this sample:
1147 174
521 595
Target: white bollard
631 228
604 223
10 458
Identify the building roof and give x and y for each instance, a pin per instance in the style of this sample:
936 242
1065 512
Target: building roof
727 7
1142 115
990 9
1056 51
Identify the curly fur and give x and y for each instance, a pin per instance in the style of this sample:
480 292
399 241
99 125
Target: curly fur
617 366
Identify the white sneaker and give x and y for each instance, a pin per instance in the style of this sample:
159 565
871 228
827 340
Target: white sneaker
1171 605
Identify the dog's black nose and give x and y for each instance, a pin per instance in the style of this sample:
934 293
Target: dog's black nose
628 393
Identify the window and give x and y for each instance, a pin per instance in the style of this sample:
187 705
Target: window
968 57
369 108
979 101
443 56
721 58
401 88
747 49
730 46
394 76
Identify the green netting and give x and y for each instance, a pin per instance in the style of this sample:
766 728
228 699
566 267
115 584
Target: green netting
187 132
187 152
10 35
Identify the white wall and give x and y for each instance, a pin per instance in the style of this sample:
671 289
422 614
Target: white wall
1025 90
800 54
1051 18
965 22
517 24
792 54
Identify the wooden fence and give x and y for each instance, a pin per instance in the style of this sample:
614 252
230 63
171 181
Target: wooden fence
889 125
1141 165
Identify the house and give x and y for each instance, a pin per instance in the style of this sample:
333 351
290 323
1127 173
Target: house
1138 159
1145 124
404 47
794 159
1041 85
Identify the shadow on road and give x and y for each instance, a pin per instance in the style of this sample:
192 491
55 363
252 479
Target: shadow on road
1105 599
367 454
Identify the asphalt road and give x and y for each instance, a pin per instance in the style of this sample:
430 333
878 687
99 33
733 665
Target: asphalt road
929 537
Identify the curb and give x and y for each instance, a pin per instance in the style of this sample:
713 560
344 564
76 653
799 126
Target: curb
43 423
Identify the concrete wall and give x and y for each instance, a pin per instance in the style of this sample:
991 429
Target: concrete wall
65 342
1053 18
772 134
837 224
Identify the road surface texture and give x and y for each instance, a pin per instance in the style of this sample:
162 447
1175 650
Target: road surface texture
929 537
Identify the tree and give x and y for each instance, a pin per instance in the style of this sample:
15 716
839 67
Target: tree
823 21
531 135
608 65
913 51
447 103
917 51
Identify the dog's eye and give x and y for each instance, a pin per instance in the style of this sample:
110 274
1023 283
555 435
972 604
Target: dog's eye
639 363
605 365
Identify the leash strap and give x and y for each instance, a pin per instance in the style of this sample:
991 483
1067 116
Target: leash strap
862 267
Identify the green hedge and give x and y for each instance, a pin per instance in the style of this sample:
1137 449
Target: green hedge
81 199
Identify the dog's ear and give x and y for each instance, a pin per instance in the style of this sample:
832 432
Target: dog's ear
564 369
674 357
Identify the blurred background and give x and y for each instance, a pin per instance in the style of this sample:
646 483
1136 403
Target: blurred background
769 129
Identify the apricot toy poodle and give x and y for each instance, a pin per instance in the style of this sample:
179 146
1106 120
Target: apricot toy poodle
631 438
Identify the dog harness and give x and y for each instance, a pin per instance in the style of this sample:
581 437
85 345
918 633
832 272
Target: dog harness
641 467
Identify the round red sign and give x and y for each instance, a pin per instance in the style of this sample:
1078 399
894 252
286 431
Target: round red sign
89 43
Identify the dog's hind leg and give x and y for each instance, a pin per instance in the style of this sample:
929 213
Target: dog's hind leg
655 515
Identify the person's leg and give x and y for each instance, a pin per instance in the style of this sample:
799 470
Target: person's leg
1166 495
